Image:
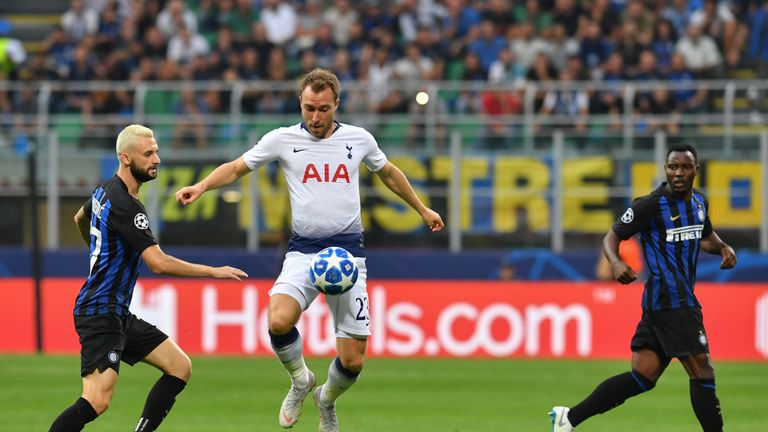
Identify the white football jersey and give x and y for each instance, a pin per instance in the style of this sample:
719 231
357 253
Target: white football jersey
322 175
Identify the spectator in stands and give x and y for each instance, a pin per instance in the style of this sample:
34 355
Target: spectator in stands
280 21
309 19
324 47
717 20
629 47
97 131
609 102
173 17
262 45
593 49
679 15
185 47
604 15
341 17
278 101
663 45
531 11
108 32
571 105
499 12
658 111
189 121
526 45
561 46
488 44
79 21
641 19
12 52
456 27
688 98
700 53
757 50
412 69
497 106
382 97
567 13
505 70
155 45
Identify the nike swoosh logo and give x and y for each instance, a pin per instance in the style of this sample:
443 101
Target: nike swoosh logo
298 150
561 422
672 218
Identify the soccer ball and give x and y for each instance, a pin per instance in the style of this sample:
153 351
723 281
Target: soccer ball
333 271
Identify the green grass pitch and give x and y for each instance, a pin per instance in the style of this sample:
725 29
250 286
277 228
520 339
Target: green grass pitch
431 395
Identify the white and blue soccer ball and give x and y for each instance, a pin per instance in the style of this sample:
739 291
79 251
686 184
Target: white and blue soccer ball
333 271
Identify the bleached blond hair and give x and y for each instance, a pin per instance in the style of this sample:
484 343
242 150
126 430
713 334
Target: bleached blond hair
128 137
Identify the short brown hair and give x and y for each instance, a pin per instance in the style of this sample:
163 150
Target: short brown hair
320 79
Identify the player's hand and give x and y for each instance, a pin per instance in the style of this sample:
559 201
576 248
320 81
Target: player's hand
227 272
433 220
623 273
188 194
729 258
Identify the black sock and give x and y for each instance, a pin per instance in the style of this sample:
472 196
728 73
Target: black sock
279 341
75 417
609 394
705 405
159 402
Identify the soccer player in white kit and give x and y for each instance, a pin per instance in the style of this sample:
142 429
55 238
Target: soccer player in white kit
320 159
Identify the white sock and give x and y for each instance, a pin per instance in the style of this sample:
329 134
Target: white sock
340 380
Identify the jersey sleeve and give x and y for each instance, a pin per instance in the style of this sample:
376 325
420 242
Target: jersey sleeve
636 218
88 207
265 151
707 222
129 218
374 159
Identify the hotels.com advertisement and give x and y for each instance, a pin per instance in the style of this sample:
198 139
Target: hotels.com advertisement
406 318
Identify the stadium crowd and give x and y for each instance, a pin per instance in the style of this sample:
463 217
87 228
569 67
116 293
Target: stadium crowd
501 42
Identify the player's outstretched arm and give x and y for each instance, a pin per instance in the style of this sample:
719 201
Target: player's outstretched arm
622 272
715 245
163 264
83 225
223 175
398 183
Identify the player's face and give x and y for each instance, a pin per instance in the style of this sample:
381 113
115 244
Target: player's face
317 110
681 170
145 160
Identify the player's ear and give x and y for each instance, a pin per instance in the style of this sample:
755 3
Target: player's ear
125 158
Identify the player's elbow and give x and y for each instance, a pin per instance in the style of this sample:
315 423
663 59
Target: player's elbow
158 266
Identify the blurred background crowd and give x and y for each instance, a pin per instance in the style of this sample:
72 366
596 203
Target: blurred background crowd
499 41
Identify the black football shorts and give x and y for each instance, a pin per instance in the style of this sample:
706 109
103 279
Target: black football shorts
105 340
672 332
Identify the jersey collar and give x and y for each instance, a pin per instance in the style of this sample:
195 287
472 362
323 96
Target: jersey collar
338 125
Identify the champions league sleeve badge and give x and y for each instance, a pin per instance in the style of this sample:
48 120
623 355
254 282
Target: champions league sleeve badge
628 216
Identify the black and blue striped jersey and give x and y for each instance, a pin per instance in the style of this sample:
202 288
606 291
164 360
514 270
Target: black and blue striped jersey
670 232
119 234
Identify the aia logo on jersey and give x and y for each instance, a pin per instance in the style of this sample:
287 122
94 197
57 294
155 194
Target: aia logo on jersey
312 173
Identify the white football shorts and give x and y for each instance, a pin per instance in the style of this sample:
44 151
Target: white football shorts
351 318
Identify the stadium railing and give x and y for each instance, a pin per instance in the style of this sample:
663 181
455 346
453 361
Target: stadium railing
578 171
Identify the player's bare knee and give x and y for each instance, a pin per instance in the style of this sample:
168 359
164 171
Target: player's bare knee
353 363
181 367
279 324
99 401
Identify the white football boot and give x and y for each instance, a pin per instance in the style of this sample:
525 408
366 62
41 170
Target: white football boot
328 420
560 422
290 410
